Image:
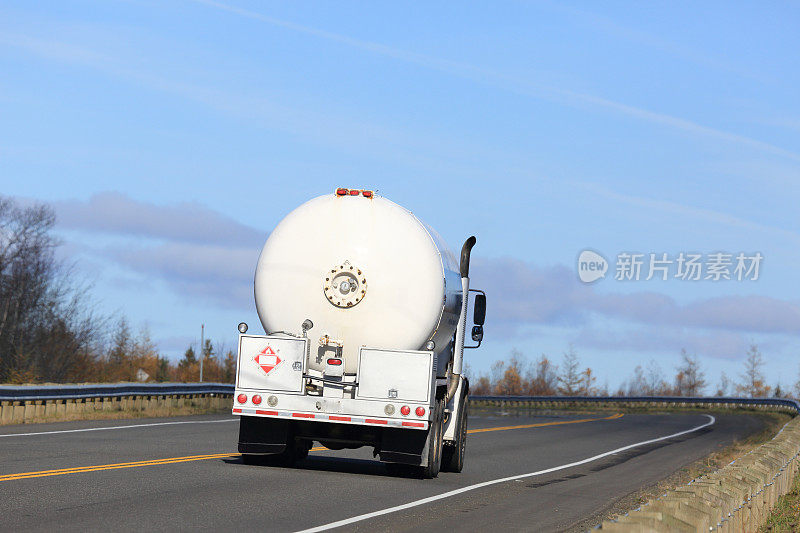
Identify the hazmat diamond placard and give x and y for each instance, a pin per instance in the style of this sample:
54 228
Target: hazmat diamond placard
267 360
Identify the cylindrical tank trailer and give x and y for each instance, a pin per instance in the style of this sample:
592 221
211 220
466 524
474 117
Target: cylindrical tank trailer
364 310
366 272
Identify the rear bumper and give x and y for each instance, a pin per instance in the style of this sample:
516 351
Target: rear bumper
326 409
338 418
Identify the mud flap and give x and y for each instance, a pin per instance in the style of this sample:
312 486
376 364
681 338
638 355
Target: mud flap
404 446
263 435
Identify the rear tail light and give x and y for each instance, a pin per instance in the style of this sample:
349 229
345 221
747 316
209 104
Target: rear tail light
367 194
420 411
242 398
355 192
334 361
405 410
342 192
256 399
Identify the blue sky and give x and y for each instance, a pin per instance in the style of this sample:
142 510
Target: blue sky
172 137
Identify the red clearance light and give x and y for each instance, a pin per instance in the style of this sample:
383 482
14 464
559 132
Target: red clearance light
342 192
405 410
420 411
367 194
355 192
242 398
256 399
334 361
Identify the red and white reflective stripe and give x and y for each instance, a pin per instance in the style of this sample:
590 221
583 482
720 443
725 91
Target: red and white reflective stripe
334 418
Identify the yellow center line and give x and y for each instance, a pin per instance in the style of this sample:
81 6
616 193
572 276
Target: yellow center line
185 459
114 466
543 424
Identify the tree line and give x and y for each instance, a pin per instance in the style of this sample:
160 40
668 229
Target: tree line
517 376
131 357
49 331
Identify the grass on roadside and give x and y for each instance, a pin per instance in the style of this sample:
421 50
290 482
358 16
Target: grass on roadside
785 515
120 414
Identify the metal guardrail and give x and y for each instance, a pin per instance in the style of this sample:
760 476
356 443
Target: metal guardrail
22 393
773 402
27 393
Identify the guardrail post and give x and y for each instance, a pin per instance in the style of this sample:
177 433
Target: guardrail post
50 408
30 410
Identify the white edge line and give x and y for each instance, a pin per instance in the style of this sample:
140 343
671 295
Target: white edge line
117 427
455 492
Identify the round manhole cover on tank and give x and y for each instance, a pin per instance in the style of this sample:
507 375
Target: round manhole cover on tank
345 285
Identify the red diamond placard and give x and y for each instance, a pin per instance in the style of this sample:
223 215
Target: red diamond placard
267 359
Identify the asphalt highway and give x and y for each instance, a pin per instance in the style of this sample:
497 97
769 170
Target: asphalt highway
184 474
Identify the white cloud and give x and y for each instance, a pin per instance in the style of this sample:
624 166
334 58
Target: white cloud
115 213
521 294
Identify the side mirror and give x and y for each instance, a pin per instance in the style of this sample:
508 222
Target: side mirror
480 310
477 333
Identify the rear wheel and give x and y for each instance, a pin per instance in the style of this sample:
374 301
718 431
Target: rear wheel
453 456
435 442
302 448
296 450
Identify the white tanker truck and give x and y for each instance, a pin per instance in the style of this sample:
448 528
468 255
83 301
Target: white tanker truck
365 312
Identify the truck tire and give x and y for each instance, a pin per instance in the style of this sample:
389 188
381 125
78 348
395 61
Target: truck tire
296 450
303 447
435 445
453 455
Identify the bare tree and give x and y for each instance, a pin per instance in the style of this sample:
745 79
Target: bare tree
570 378
496 372
724 385
753 384
481 386
588 380
46 331
690 380
636 384
654 380
542 380
511 382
